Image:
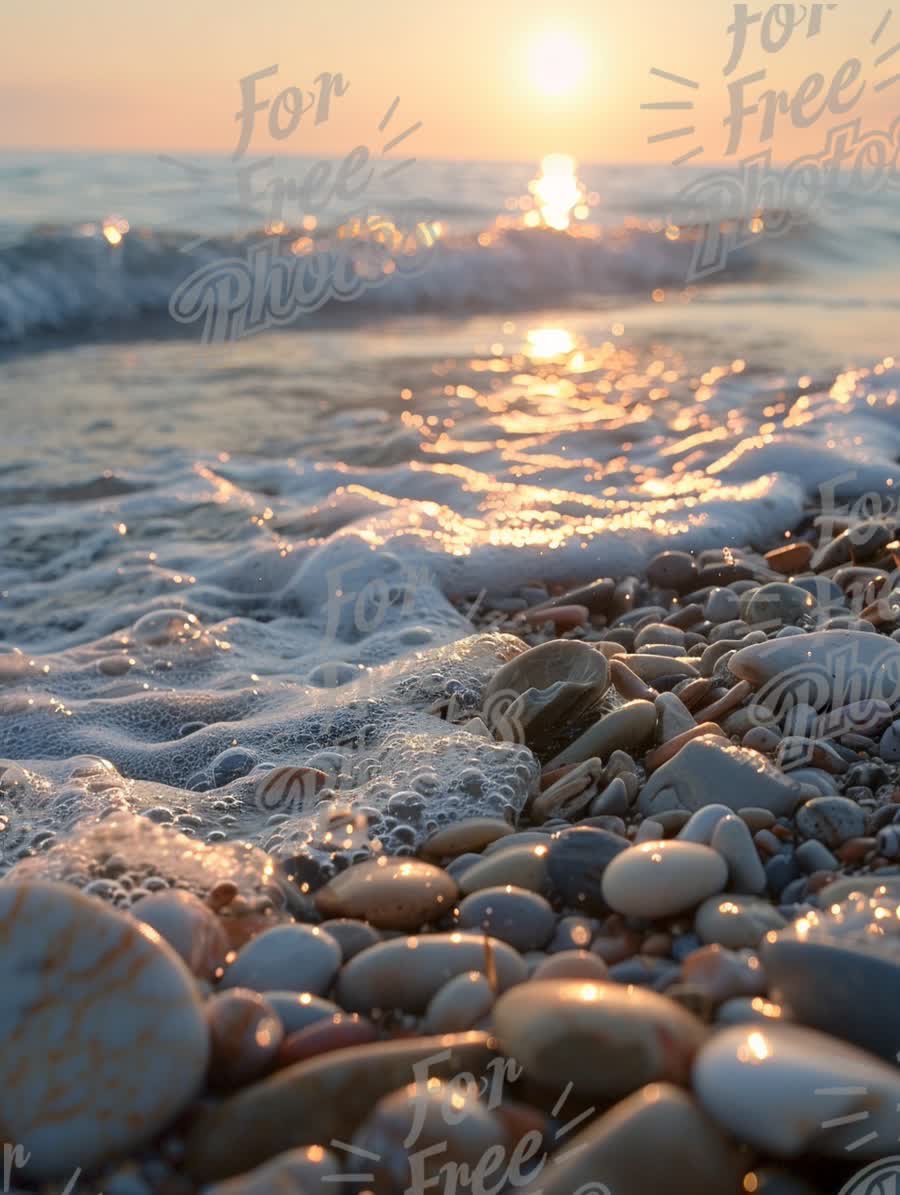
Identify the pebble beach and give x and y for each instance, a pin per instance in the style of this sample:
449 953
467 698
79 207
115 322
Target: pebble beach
676 963
452 744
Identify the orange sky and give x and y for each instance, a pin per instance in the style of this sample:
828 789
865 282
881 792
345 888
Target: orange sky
164 75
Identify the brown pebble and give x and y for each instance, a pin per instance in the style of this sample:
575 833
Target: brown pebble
563 618
667 751
628 684
221 894
687 616
334 1033
791 559
695 692
855 849
726 703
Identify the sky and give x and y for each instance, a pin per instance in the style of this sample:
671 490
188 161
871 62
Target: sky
487 79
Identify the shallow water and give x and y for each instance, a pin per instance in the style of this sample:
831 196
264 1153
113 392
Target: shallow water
315 495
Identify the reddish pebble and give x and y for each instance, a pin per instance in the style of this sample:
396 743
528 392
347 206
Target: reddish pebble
564 618
336 1033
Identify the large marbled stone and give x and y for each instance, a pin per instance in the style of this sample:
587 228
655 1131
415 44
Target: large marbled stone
104 1038
823 669
710 771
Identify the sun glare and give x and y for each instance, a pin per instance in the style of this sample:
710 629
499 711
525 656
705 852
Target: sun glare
558 62
556 190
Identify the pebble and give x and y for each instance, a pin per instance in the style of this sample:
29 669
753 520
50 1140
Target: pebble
445 1123
625 728
831 820
460 1004
734 842
736 921
889 744
724 974
405 973
351 935
840 988
789 1090
524 865
473 834
656 1140
792 558
777 604
572 964
105 1040
701 825
813 856
189 926
824 668
673 570
673 715
292 957
296 1010
558 1030
337 1033
245 1034
710 770
572 933
722 606
322 1099
661 879
536 693
576 862
514 915
390 893
306 1171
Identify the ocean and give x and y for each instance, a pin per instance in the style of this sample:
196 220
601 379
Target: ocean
258 461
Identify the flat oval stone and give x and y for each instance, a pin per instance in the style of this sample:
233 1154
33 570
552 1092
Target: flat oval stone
473 834
322 1099
405 973
576 863
831 820
522 919
296 1010
96 1009
289 957
736 921
524 866
460 1004
351 934
709 771
607 1039
389 893
657 1140
789 1091
660 879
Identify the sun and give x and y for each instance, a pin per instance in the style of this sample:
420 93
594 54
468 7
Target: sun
557 62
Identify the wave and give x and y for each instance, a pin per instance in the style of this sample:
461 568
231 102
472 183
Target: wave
94 280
